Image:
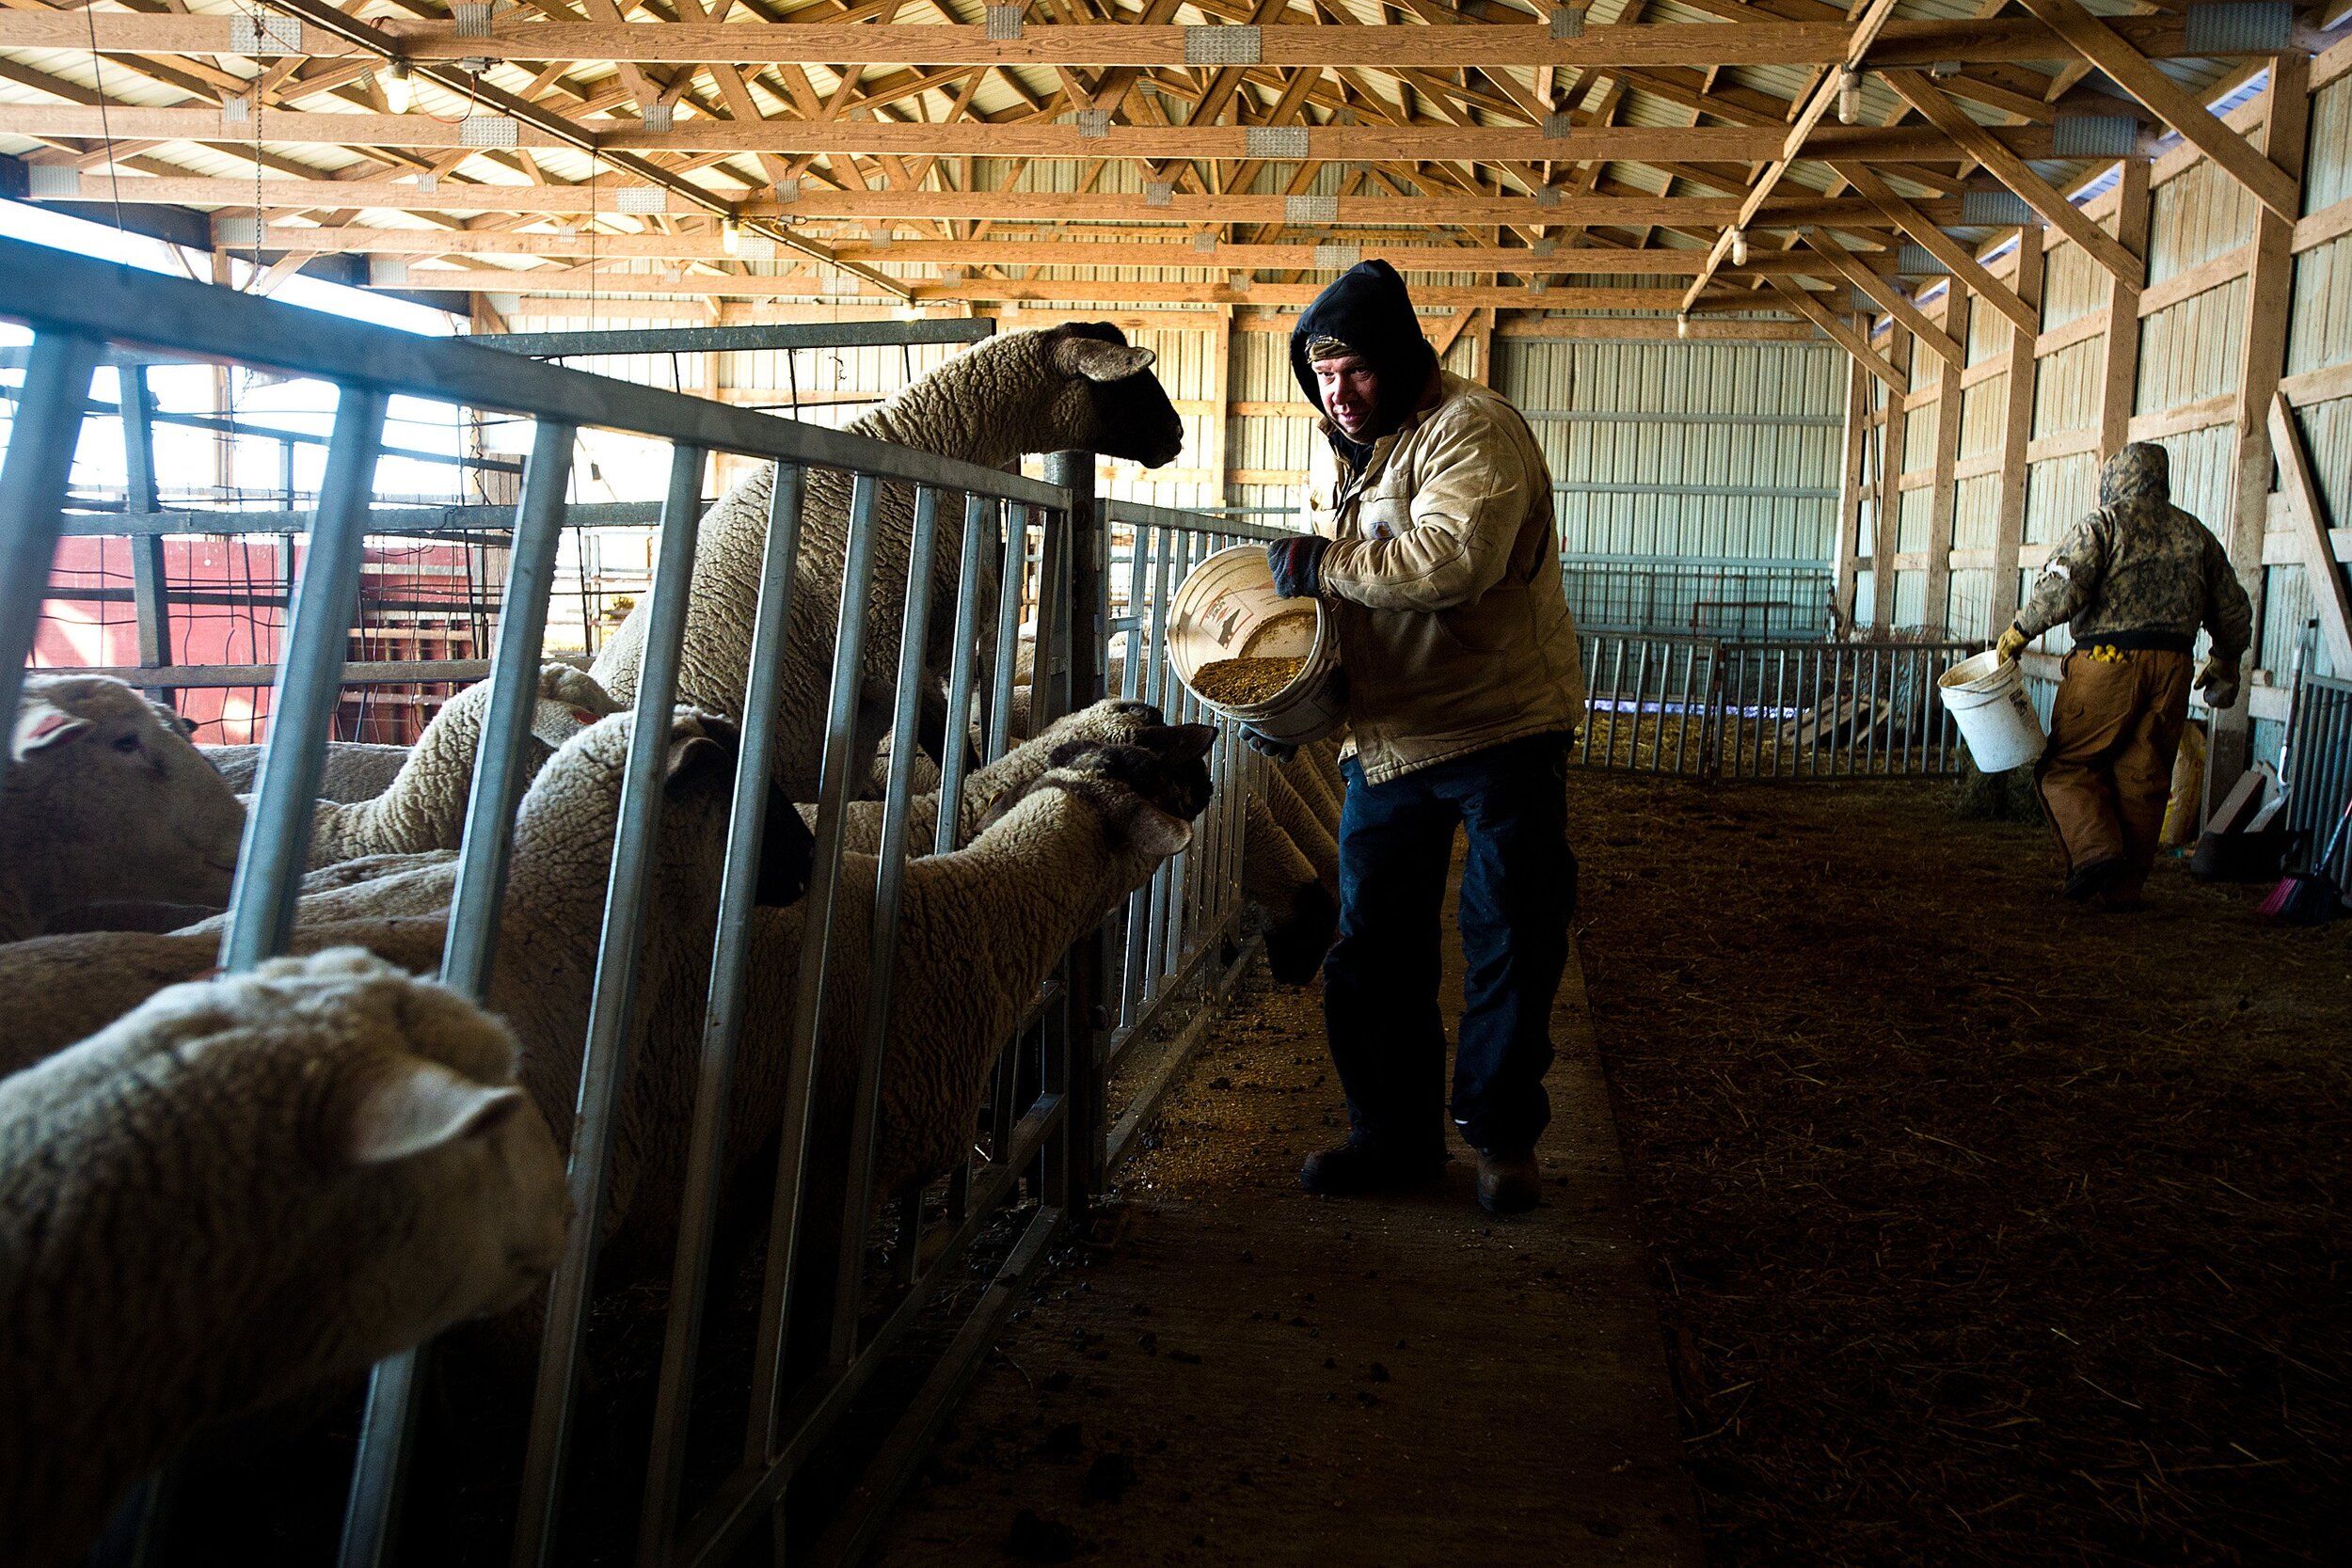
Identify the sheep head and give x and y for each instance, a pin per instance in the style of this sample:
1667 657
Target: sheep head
1147 789
570 812
107 801
1108 400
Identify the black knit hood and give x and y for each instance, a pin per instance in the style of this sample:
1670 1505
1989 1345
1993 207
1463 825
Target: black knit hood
1368 310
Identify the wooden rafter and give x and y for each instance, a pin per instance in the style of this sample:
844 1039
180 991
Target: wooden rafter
1499 46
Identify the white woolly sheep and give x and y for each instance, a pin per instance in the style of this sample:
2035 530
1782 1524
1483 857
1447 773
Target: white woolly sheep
106 801
246 1188
1078 386
424 807
354 769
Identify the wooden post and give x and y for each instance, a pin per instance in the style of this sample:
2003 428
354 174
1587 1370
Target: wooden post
2016 435
1887 532
1481 333
2269 295
2120 384
1935 604
1221 395
1845 549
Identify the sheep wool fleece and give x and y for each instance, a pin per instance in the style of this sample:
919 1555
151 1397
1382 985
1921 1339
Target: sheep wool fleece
245 1188
1013 394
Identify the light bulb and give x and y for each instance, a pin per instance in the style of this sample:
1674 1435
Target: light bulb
398 91
730 235
1849 97
1739 248
1682 325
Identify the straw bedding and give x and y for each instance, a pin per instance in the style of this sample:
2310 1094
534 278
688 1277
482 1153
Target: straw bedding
1985 1231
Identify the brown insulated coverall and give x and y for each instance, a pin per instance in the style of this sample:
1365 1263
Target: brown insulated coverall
2140 571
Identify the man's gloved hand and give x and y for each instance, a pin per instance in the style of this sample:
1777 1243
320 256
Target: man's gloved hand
2217 679
1266 746
2011 643
1296 563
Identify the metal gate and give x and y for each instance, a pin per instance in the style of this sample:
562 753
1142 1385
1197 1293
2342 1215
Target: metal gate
1053 551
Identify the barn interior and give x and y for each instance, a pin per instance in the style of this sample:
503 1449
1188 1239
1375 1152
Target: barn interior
932 1198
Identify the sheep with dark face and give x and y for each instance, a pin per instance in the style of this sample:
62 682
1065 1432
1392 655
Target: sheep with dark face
106 801
1074 386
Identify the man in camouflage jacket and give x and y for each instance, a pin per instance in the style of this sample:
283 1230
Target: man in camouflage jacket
2135 579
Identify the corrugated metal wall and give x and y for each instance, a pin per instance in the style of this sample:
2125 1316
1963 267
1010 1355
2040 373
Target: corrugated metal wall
1698 482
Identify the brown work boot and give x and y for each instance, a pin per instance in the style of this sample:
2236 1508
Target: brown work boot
1508 1183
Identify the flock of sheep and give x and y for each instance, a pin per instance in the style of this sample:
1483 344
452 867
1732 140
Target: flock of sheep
217 1192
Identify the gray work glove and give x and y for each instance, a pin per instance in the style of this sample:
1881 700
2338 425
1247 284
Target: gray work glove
1266 746
2217 679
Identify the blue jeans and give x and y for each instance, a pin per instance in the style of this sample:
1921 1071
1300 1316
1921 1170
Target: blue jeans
1380 982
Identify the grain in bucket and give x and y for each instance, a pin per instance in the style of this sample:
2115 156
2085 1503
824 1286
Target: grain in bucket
1251 655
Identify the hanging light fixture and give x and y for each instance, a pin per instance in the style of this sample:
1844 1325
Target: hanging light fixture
1739 248
399 92
1682 324
730 235
1849 97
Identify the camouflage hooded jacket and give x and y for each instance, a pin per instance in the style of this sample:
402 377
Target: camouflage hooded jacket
2141 564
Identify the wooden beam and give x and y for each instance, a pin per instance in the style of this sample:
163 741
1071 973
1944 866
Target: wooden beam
706 245
515 36
1994 151
1914 219
2269 302
2119 386
1886 524
2099 44
1845 551
2016 437
1845 337
1488 144
994 206
1898 304
1943 502
2311 515
1817 105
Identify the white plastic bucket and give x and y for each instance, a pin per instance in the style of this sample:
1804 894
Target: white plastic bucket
1228 609
1986 698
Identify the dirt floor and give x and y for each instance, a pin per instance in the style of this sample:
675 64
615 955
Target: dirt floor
1241 1373
1985 1230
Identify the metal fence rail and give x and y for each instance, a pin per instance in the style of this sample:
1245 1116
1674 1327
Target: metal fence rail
2322 770
1702 707
1184 929
1054 552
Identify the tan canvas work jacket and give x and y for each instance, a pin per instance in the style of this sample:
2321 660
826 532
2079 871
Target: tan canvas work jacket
1444 582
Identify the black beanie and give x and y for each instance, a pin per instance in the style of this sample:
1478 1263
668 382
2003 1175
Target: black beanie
1368 310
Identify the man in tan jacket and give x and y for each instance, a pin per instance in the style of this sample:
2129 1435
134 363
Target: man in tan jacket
2135 579
1436 554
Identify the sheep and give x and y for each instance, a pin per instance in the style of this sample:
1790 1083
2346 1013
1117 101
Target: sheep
1302 914
424 807
246 1188
354 769
57 989
390 886
980 927
106 801
1076 386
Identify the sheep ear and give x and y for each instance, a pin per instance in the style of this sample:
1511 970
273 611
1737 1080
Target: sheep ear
422 1106
1156 833
1097 361
40 724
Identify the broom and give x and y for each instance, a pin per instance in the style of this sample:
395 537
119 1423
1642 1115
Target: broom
2309 897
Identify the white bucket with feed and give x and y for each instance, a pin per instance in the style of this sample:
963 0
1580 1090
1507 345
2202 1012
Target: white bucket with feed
1227 609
